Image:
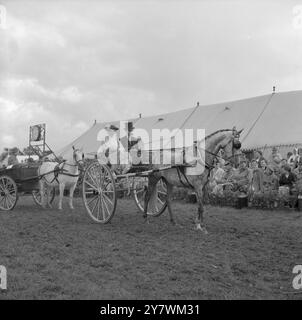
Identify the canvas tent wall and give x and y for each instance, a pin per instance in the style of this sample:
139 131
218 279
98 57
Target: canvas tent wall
268 120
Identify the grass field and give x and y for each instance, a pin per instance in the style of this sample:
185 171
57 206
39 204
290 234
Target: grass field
248 254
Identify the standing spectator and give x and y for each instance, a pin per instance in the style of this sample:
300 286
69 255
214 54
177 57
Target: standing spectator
275 158
256 182
253 165
258 157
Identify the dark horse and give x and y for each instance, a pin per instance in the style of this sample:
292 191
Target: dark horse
226 140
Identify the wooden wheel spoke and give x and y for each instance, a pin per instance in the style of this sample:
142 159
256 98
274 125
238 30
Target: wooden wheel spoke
108 211
98 212
95 205
103 211
2 189
2 198
91 200
9 201
96 184
161 202
108 199
92 186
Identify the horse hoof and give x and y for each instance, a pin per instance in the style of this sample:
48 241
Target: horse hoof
60 209
202 229
71 208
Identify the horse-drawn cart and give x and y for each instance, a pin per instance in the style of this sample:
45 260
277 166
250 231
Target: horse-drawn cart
18 180
149 181
101 185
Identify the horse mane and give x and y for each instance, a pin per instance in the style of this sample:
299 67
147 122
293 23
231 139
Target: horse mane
218 131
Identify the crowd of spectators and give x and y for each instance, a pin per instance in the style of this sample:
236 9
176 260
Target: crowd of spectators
259 176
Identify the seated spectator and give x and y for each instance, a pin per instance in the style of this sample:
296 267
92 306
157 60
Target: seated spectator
225 181
216 175
298 157
228 171
298 173
292 158
287 178
258 157
270 180
240 178
263 164
289 155
283 162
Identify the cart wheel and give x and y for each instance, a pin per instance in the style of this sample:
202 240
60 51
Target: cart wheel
8 193
99 192
37 196
139 192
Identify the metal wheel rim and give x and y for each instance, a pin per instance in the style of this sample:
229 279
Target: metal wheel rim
161 205
8 193
99 193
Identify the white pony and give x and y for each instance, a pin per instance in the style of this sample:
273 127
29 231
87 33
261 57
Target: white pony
62 175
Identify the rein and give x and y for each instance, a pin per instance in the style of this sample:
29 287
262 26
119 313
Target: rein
210 166
61 171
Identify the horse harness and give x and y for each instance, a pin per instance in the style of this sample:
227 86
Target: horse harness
60 170
210 167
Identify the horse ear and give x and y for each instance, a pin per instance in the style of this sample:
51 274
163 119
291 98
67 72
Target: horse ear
73 148
239 132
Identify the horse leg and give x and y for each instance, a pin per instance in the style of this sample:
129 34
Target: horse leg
42 190
200 213
148 194
71 191
48 192
61 188
169 202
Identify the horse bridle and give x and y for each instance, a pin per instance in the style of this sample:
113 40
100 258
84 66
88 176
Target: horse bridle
236 145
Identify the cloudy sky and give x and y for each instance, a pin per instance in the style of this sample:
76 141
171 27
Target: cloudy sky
67 63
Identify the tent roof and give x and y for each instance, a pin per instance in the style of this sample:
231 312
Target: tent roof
267 120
